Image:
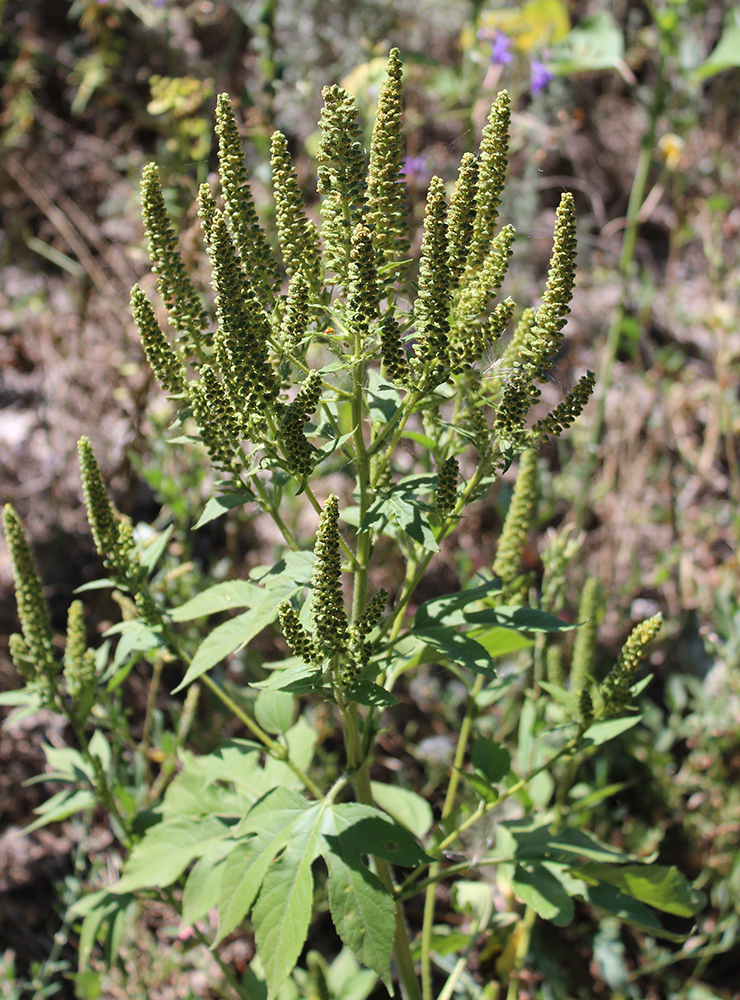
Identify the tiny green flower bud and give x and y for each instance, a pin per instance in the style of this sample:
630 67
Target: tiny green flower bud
163 360
298 236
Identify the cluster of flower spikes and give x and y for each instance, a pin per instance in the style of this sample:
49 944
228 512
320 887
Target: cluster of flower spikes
299 453
538 338
334 639
614 691
243 327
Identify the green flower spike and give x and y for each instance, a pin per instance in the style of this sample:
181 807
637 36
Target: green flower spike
475 423
295 634
512 354
461 219
538 353
471 344
364 295
243 327
22 659
516 401
478 292
360 649
250 239
585 707
295 318
446 493
387 207
341 177
34 653
584 648
329 615
184 307
508 561
494 153
615 690
554 666
163 360
299 453
391 350
219 423
79 663
561 547
112 539
432 308
298 236
567 412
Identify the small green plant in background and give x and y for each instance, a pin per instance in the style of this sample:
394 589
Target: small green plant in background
355 400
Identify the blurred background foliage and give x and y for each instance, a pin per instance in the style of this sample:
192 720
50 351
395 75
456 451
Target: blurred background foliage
635 107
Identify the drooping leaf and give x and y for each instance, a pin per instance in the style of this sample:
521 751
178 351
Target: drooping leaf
541 890
597 43
62 806
217 506
150 550
167 849
203 883
726 54
361 907
657 885
609 899
531 840
521 619
446 610
234 634
501 641
454 646
226 596
274 711
405 806
264 832
602 732
490 758
283 909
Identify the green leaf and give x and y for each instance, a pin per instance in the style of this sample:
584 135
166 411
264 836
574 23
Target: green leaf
458 648
630 911
602 732
150 549
301 739
491 759
167 849
202 887
541 890
501 641
369 831
521 619
726 54
531 840
217 506
274 710
483 786
405 806
369 693
361 907
283 909
234 634
657 885
271 823
61 806
447 610
297 677
597 43
222 597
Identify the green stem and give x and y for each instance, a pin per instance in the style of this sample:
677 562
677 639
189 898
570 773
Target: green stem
522 947
449 802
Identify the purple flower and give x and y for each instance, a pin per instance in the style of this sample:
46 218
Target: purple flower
540 76
500 46
414 168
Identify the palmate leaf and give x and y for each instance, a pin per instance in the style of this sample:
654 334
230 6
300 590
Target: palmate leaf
269 872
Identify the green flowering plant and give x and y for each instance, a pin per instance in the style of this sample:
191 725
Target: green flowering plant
330 380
